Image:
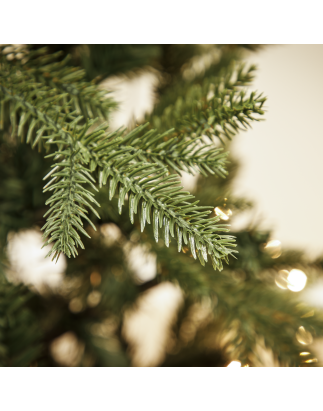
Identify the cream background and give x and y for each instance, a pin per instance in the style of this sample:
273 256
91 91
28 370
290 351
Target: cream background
282 157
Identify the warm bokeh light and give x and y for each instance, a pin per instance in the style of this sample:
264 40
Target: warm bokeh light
273 248
311 360
223 214
93 299
304 353
141 261
304 337
28 263
296 280
76 305
273 243
148 323
111 233
67 350
234 364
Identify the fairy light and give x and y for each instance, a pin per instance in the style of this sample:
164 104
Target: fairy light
273 248
76 305
311 360
224 215
234 364
296 280
304 337
94 298
273 243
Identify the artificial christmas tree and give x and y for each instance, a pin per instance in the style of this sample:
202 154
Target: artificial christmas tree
97 177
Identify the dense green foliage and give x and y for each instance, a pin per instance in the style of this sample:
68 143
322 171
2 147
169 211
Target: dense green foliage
48 103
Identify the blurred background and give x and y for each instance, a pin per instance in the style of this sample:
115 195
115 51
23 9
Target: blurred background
281 160
127 301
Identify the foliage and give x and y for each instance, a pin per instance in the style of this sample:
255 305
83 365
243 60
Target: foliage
20 338
49 104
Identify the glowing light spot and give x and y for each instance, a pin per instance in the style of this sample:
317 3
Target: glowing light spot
75 305
304 337
67 350
273 248
304 353
111 234
311 360
296 280
93 298
28 262
223 214
273 243
234 364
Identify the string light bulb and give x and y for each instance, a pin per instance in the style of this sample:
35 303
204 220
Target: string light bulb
273 248
304 337
223 214
296 280
234 364
311 360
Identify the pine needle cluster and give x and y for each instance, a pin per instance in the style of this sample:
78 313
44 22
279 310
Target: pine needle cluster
48 104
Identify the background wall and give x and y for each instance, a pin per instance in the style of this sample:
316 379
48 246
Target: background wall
282 158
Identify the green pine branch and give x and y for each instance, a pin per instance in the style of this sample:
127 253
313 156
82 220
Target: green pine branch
189 155
216 108
59 76
160 200
20 337
230 74
68 201
137 164
151 189
66 212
